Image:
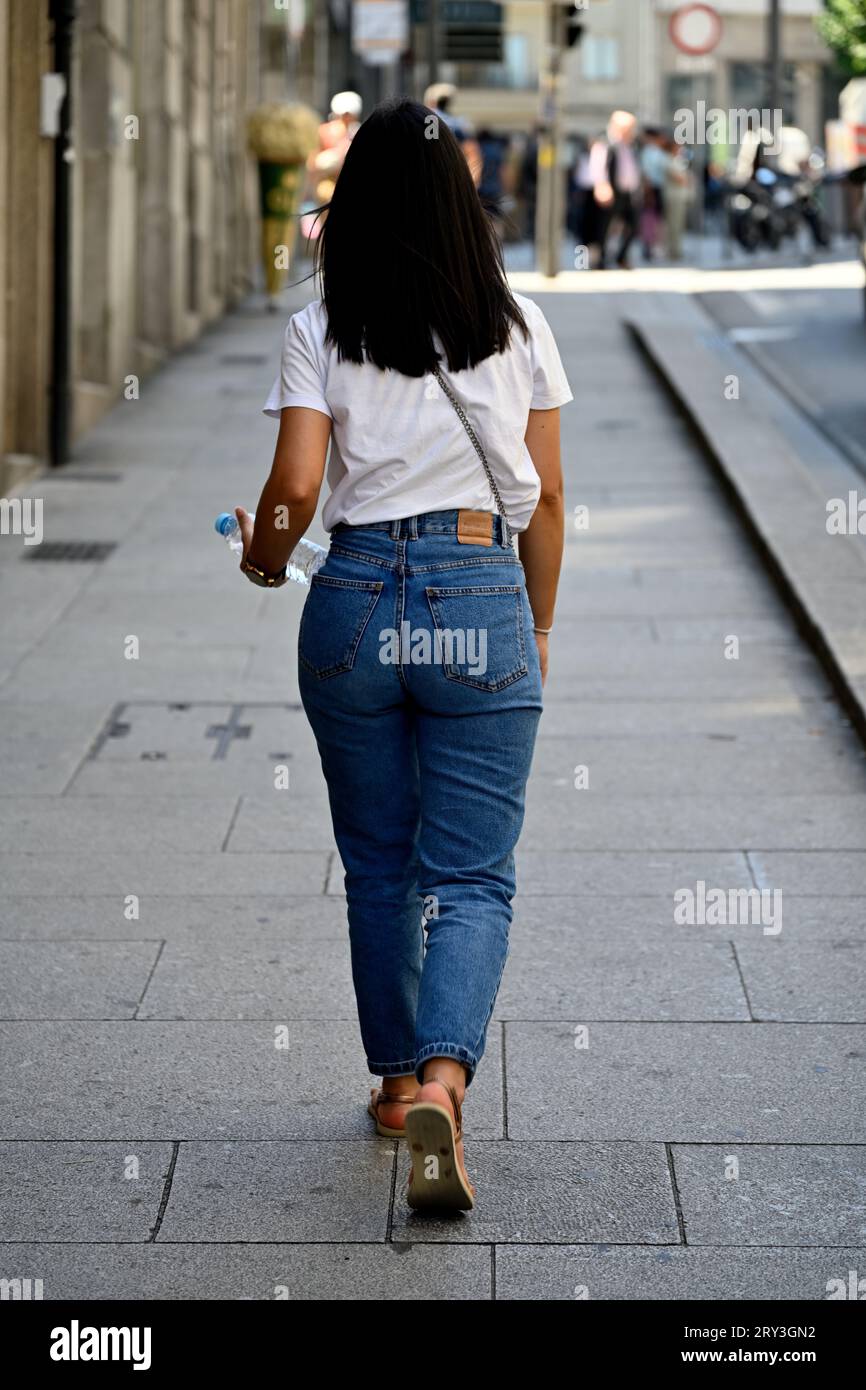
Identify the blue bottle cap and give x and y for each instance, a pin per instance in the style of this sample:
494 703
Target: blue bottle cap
225 523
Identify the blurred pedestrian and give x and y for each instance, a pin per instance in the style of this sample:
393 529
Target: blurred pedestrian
578 188
439 97
490 190
679 193
325 163
616 179
654 160
593 218
335 136
528 182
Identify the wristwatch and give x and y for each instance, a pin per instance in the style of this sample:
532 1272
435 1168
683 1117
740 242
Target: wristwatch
265 581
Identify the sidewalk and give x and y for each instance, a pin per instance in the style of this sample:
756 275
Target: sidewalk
664 1111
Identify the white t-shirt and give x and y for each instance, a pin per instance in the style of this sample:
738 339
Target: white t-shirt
398 448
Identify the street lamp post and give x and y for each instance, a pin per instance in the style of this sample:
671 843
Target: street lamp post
774 55
433 42
549 209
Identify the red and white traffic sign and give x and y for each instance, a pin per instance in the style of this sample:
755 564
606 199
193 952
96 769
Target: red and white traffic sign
696 29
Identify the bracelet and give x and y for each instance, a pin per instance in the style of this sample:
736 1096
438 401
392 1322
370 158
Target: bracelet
545 631
263 580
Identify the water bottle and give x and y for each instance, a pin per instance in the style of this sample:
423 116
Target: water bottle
304 560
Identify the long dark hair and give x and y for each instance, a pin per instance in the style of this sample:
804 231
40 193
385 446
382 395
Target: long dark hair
408 249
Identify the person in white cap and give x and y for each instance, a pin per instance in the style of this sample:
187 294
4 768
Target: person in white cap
335 137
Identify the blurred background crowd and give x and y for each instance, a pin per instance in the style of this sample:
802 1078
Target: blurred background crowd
161 159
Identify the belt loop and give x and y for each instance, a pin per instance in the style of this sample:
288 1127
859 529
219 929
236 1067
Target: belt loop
395 529
413 528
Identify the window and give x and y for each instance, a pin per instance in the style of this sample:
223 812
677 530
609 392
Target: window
600 58
750 84
516 71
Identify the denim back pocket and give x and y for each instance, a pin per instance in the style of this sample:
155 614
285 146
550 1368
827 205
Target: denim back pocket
333 622
478 634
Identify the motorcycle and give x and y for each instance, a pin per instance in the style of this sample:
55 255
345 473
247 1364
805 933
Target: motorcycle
773 204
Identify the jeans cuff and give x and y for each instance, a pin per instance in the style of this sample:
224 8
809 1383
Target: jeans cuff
450 1050
406 1068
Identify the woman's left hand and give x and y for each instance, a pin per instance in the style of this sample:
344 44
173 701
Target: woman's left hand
245 525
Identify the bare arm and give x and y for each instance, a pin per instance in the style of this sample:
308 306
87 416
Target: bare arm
291 494
540 545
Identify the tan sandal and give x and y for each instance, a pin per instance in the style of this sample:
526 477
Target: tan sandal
432 1133
379 1097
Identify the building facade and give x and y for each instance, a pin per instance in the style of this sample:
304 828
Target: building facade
161 231
626 58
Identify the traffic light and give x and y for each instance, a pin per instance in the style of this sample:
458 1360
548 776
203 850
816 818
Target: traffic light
573 25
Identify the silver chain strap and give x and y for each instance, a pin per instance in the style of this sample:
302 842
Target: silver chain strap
461 413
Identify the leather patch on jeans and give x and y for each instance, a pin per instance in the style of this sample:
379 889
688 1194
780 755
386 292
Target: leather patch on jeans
475 528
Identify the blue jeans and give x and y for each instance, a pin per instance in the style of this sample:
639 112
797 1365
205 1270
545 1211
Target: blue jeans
419 674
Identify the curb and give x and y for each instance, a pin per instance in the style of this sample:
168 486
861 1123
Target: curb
761 475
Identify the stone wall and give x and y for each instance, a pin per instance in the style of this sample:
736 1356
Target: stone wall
26 200
165 220
164 211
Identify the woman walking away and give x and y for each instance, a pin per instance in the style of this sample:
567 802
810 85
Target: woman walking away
423 643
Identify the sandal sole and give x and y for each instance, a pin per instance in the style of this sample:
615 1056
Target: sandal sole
430 1133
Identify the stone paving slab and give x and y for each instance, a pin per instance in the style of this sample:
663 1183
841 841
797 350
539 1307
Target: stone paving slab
685 669
270 826
822 872
239 774
710 1082
75 1191
638 920
805 982
98 611
179 672
603 873
543 1273
227 918
76 979
298 1272
756 719
225 1080
30 824
661 593
277 1192
539 871
757 630
562 818
32 599
549 978
49 875
40 748
571 974
626 768
779 1196
297 979
555 1193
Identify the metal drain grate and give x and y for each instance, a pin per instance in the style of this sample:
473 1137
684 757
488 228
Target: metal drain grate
92 551
243 359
